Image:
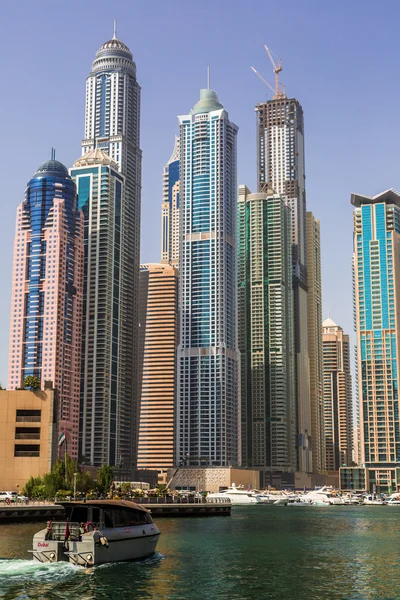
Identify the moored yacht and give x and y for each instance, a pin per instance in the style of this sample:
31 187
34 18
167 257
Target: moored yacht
237 495
97 531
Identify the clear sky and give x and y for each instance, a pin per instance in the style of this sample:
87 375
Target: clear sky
340 61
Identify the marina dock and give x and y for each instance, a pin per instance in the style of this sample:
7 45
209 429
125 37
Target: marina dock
42 511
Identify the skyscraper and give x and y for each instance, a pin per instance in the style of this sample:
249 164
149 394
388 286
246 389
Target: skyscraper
112 124
170 209
158 342
265 330
315 342
207 419
280 143
46 305
376 276
338 406
105 411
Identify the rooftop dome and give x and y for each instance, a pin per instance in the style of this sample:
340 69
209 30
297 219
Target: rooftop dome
208 102
114 44
52 168
114 47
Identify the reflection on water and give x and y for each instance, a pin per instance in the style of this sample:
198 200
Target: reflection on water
260 552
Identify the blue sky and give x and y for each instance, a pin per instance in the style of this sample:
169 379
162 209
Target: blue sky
340 61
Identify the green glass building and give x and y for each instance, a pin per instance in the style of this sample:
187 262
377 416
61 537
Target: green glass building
265 328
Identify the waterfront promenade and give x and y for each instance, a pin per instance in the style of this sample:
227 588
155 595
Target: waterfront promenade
261 552
159 507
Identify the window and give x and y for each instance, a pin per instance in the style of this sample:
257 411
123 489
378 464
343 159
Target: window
27 433
30 416
22 450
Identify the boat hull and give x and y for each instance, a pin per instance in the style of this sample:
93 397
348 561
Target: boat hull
127 543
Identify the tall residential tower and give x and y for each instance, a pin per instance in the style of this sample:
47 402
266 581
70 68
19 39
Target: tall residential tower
315 342
265 330
338 406
46 305
207 411
105 414
158 342
280 144
377 308
112 125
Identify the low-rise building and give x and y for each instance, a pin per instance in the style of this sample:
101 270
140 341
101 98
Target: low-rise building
28 436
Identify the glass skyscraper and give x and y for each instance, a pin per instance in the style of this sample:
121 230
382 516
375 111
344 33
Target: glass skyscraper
377 295
207 411
170 209
280 157
103 414
46 305
112 124
265 326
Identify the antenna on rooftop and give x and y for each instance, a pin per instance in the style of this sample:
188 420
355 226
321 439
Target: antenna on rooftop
53 154
115 29
208 76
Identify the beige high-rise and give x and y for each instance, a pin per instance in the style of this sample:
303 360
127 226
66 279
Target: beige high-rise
338 410
158 340
313 243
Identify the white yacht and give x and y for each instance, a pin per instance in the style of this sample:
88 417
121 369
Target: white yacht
97 531
237 495
319 496
373 500
394 500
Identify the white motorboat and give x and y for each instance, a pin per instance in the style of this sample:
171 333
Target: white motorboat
298 502
319 496
372 500
279 499
97 531
394 500
237 495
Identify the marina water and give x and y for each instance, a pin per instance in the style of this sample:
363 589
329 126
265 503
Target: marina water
259 552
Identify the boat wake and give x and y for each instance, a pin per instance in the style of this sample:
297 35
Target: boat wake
23 569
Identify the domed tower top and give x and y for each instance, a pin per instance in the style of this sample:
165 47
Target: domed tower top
52 168
114 54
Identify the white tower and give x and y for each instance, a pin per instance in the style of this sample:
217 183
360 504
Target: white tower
112 125
207 429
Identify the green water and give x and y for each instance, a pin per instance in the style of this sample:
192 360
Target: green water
259 552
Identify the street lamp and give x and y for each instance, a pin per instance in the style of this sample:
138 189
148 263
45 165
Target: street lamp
75 476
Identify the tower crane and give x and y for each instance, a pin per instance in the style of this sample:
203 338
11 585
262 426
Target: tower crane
279 91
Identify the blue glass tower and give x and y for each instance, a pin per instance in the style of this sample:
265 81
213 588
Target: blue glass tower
207 423
377 294
46 307
170 209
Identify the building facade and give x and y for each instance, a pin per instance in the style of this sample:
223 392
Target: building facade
158 343
28 433
207 411
105 407
170 209
338 403
46 305
112 124
280 156
265 330
377 300
313 239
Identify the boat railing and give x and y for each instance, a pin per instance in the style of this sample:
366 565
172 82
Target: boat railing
180 500
61 530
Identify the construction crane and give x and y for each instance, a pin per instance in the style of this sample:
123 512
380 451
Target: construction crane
279 91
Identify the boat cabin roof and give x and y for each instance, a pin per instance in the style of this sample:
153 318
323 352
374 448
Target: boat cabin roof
110 504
